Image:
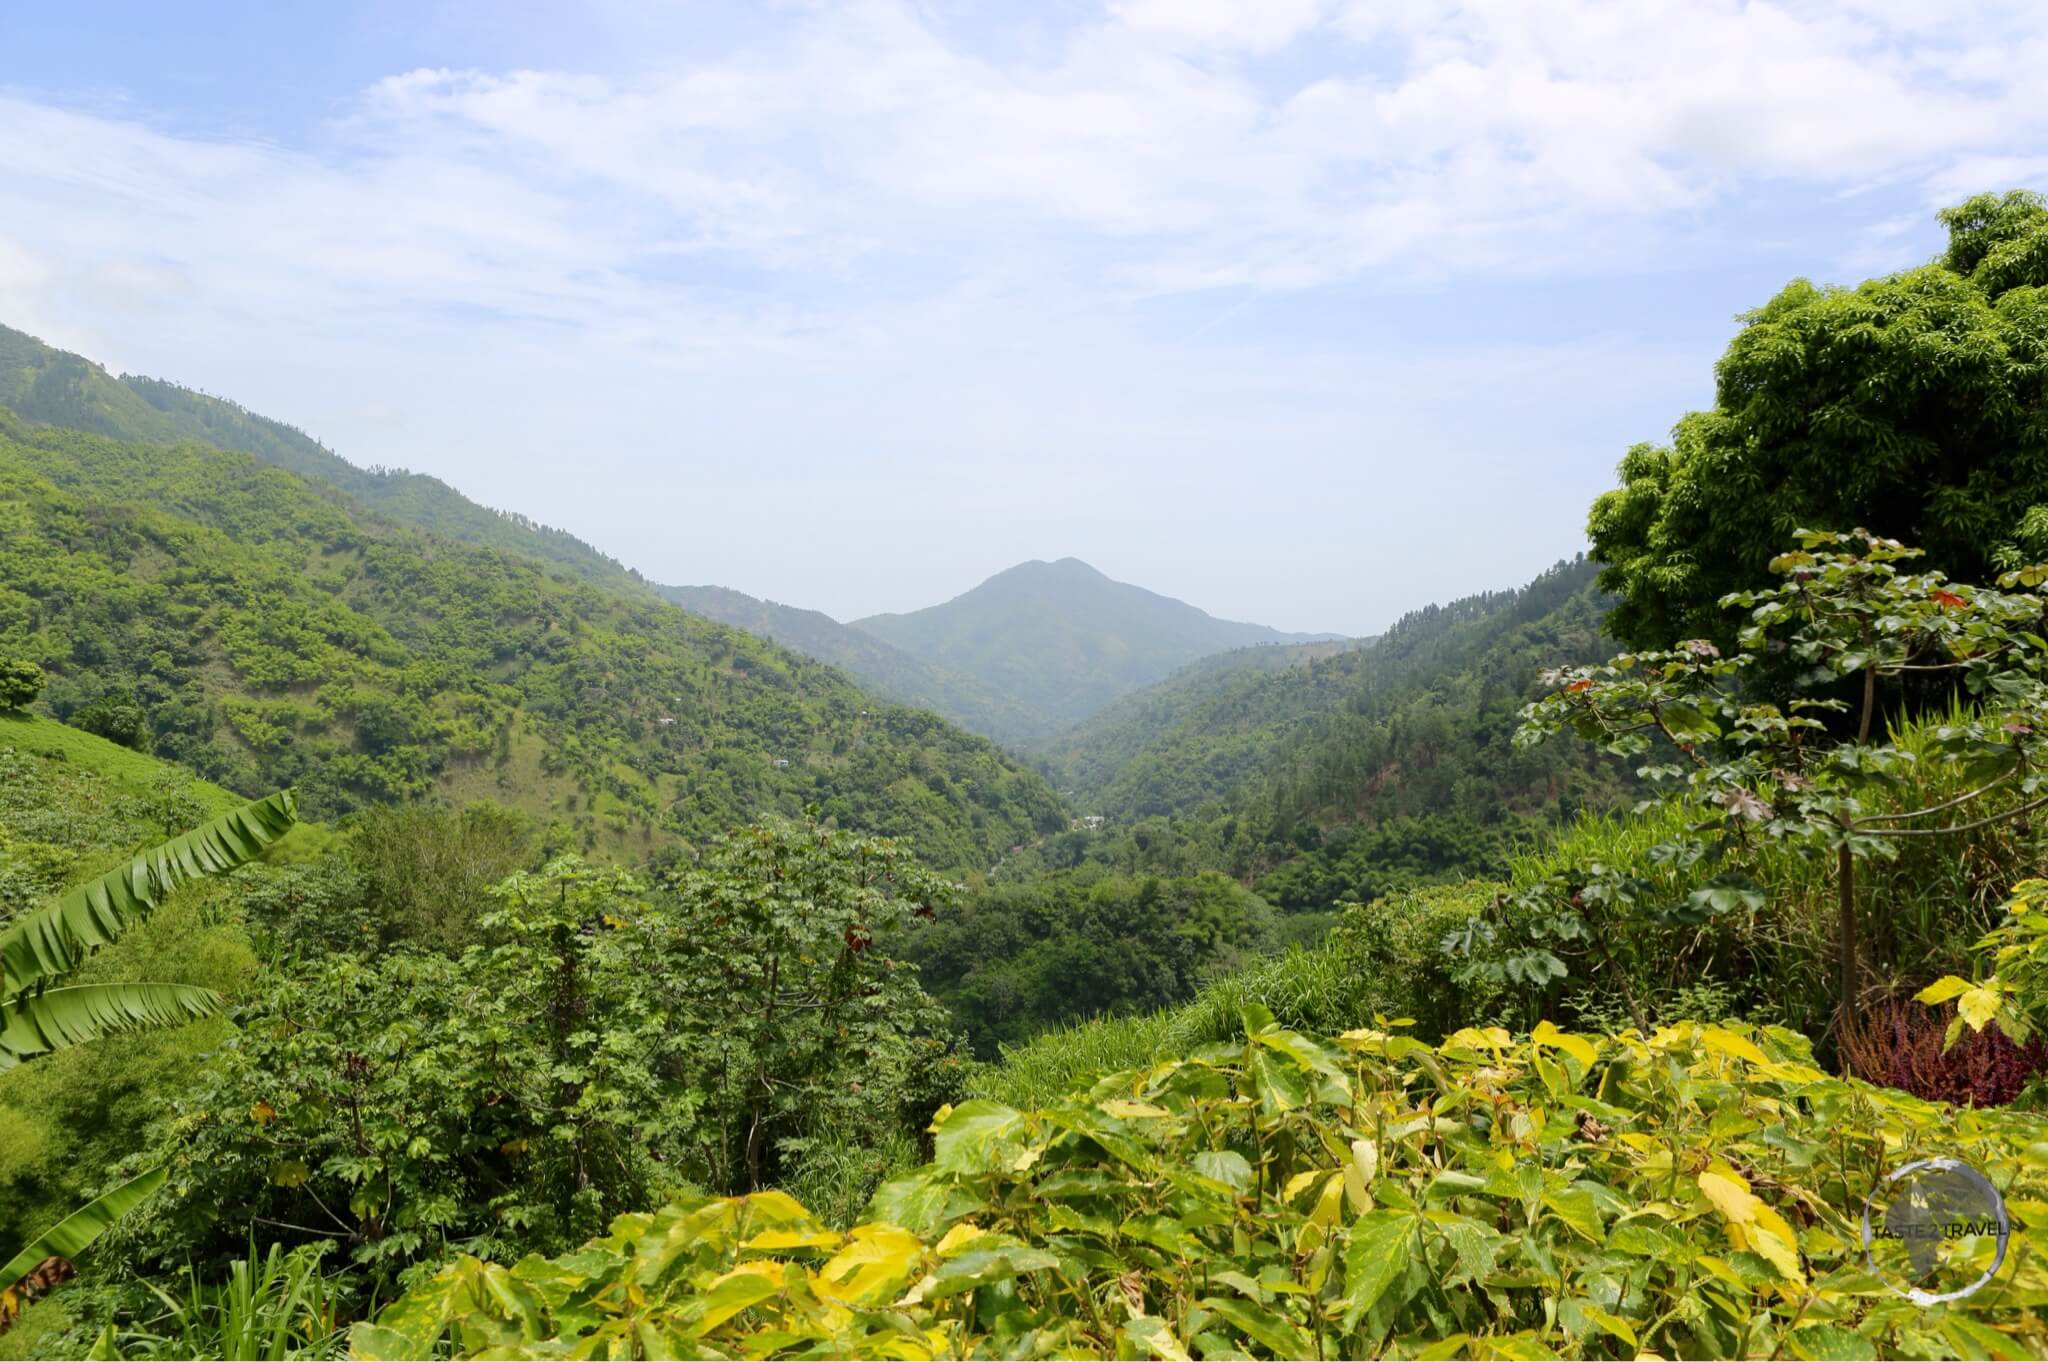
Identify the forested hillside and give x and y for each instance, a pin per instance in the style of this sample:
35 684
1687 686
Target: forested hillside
266 630
1059 640
1347 773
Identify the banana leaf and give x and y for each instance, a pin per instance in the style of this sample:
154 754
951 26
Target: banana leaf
44 1020
53 941
71 1236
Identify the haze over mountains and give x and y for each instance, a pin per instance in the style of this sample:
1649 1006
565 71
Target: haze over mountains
1030 651
1019 658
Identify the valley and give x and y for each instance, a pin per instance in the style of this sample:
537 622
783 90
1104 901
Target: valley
430 927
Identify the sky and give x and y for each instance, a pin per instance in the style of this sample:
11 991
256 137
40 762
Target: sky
1308 312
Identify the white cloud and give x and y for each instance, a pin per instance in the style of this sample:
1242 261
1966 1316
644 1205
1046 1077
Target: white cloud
872 249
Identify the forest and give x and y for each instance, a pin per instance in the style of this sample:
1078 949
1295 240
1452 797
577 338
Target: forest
422 937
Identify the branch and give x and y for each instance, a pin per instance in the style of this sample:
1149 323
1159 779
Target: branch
1985 821
1985 788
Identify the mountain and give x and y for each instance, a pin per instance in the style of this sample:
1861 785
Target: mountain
55 387
1060 640
887 670
265 628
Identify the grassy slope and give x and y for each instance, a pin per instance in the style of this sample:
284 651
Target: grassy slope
281 633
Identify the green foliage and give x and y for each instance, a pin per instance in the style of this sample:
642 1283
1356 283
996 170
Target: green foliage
1019 957
116 717
51 1019
2015 991
426 872
57 939
20 682
266 631
605 1045
72 1235
1692 1193
1911 404
273 1306
1755 782
803 1022
1347 774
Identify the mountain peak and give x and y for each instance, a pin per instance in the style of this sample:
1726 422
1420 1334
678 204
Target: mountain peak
1062 638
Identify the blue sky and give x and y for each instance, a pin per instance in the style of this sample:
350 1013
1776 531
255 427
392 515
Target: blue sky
1306 311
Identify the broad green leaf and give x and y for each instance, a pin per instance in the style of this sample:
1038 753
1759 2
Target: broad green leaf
1376 1254
977 1135
1152 1336
43 1021
1265 1326
73 1234
1226 1166
53 942
1831 1343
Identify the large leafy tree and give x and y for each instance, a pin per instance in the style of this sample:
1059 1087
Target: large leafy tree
1915 405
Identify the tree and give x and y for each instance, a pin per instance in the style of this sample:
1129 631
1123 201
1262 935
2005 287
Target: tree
1751 770
1915 404
20 683
117 717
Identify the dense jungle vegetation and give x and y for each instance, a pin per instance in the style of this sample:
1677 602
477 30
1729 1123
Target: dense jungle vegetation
1555 975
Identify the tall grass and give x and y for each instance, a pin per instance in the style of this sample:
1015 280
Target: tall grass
270 1307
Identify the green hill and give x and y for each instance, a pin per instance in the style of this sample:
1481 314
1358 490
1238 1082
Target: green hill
888 670
271 630
1060 640
1243 699
54 387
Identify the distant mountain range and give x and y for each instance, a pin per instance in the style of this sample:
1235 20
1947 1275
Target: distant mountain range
370 636
57 388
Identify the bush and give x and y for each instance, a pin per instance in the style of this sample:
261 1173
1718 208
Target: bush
117 717
1555 1196
20 682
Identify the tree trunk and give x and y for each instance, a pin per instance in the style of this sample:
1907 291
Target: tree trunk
1845 931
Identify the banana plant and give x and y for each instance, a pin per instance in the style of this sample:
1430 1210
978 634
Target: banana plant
40 1015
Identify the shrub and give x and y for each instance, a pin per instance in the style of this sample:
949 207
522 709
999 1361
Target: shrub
117 717
1696 1193
20 682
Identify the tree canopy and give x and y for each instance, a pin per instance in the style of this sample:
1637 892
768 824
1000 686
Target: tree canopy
1915 405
